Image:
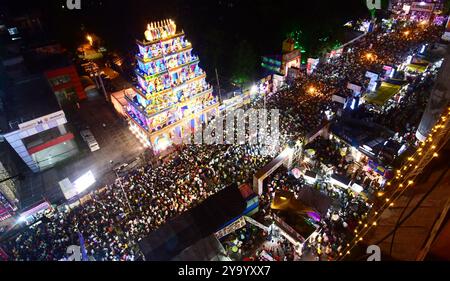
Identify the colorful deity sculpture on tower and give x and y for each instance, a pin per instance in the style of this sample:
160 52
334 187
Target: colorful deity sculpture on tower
171 97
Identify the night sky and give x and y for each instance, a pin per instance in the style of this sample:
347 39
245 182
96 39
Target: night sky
223 32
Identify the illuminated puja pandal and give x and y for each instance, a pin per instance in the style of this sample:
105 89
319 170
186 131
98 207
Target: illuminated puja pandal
171 98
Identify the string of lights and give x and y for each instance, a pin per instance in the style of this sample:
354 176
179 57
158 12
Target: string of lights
426 152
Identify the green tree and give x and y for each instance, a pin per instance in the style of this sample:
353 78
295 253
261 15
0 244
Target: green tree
3 79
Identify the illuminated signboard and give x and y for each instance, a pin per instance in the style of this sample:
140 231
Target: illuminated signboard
406 8
68 189
33 211
271 64
422 7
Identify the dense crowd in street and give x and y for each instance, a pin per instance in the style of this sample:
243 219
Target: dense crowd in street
346 210
121 214
155 194
407 112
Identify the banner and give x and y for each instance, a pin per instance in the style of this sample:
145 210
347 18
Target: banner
373 81
355 88
377 168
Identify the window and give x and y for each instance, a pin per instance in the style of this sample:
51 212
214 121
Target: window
68 95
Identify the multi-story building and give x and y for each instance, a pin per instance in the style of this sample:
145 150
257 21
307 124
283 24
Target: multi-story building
8 183
171 98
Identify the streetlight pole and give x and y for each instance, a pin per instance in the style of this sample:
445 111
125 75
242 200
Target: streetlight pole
103 87
123 190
